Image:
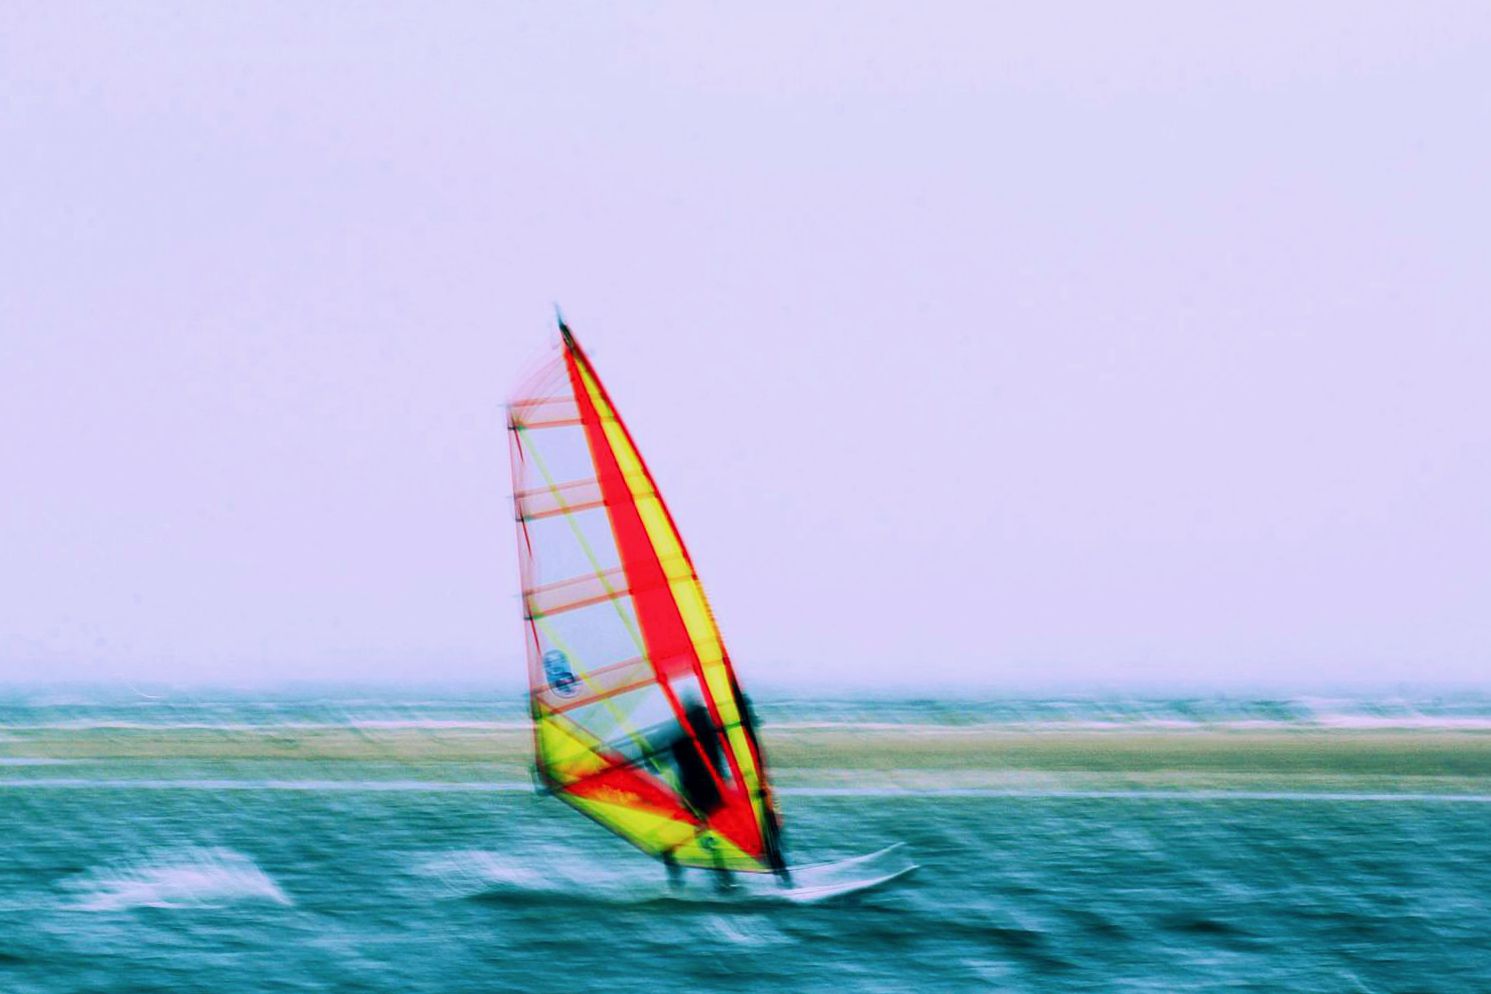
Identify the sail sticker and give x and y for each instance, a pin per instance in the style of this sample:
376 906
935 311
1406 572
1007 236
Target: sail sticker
559 674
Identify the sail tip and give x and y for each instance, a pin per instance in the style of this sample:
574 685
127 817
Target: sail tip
565 333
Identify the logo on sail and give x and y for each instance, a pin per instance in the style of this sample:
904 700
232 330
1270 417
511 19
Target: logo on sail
557 671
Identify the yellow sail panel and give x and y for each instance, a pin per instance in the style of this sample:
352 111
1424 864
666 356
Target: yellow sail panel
714 850
564 754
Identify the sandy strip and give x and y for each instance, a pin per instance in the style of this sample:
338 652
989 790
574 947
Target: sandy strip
831 752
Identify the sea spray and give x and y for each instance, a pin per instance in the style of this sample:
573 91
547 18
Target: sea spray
194 877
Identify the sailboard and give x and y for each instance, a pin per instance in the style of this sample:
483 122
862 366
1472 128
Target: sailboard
813 884
638 720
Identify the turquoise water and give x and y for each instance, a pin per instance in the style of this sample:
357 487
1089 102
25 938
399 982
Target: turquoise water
482 706
230 882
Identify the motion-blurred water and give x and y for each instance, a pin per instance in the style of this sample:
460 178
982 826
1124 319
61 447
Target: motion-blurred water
446 707
228 881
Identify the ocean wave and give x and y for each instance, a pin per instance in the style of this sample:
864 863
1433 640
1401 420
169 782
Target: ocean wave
1365 723
1190 794
567 875
1461 711
312 786
484 864
494 875
189 878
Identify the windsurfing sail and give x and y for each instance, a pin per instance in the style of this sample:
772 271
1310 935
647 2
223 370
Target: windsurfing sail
638 720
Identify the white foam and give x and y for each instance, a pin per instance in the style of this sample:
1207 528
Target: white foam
471 871
560 872
180 879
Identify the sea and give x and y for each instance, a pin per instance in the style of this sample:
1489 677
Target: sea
145 848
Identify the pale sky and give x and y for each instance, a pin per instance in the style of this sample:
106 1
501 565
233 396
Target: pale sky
971 346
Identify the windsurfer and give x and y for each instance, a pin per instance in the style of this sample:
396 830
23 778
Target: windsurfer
696 756
699 762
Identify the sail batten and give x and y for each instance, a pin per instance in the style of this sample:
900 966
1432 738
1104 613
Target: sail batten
581 591
639 722
561 498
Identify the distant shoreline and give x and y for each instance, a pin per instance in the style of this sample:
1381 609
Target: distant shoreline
1398 745
829 757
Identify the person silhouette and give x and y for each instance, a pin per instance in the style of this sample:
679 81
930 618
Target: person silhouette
697 757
